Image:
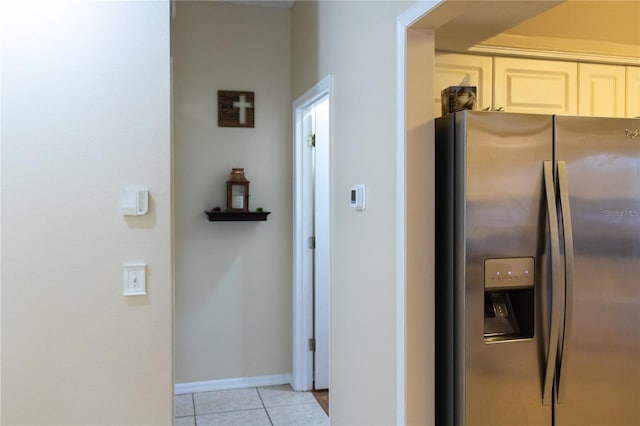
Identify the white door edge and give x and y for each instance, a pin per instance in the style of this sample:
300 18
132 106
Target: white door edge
322 252
302 368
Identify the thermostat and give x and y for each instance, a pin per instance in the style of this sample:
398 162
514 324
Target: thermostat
358 197
134 201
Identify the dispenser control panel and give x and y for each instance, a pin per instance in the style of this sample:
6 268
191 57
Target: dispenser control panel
509 272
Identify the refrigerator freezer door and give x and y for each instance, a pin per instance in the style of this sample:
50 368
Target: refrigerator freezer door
503 215
600 364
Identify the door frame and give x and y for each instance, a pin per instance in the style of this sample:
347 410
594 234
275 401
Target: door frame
302 360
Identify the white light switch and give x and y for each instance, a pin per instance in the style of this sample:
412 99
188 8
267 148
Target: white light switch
135 280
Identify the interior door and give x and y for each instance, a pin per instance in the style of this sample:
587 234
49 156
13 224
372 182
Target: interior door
322 247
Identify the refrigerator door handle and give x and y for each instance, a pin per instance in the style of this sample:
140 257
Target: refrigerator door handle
556 285
565 212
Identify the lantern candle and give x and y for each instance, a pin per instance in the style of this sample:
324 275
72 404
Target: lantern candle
237 197
237 191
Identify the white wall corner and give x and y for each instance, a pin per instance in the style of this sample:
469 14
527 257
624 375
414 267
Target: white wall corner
404 23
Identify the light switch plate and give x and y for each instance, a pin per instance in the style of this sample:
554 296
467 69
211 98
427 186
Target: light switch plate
135 279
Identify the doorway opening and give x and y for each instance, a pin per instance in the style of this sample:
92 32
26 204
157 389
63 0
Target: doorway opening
311 239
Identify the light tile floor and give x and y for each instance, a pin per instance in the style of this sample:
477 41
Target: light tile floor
268 406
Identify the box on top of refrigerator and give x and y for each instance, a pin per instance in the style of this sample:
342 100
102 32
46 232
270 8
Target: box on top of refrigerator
458 98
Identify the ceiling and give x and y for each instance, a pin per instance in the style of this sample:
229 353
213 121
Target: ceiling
611 21
461 24
591 27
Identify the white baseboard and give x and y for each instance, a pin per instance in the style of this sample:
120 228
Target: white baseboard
240 382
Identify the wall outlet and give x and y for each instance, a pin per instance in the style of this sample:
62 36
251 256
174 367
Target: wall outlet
135 280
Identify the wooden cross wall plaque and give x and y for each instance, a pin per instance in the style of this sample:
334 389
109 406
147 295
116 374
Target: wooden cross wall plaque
236 109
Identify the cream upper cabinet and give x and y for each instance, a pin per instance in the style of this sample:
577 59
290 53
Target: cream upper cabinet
451 69
633 92
601 90
542 86
535 86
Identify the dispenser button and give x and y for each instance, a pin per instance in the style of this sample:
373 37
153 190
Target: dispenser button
499 306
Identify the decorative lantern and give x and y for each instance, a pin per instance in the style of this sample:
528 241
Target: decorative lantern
237 191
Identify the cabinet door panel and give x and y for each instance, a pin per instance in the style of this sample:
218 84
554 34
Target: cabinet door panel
633 91
601 90
451 69
535 86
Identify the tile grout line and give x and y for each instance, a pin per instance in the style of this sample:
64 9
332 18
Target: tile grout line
264 407
193 403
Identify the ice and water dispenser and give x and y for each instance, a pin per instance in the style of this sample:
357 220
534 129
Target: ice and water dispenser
508 299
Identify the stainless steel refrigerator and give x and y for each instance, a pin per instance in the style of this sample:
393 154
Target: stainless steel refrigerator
537 270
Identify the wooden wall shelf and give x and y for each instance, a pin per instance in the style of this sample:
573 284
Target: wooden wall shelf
235 216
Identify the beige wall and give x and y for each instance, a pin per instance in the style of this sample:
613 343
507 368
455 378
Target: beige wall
233 280
85 112
355 41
